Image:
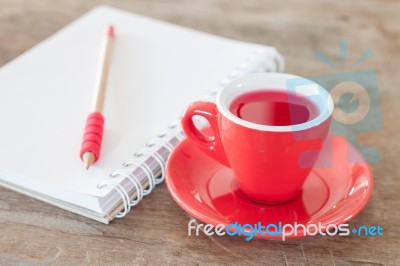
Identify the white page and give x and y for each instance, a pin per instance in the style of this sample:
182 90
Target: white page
46 94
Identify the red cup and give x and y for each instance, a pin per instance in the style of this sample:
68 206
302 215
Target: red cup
270 163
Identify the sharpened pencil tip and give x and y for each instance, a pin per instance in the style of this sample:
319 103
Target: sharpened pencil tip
88 159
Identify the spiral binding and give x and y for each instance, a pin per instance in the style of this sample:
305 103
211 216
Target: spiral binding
261 60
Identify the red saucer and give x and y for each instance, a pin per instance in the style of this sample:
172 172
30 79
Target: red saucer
207 190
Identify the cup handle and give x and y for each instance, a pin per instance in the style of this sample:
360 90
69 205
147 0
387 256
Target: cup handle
211 145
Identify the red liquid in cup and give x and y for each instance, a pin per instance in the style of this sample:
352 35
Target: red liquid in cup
273 108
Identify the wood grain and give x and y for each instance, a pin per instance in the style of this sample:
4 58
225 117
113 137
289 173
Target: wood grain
155 232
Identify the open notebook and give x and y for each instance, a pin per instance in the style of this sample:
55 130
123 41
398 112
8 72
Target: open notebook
156 70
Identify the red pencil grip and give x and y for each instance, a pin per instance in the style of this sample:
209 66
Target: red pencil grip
93 135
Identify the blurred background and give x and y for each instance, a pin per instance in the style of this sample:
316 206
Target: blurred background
297 28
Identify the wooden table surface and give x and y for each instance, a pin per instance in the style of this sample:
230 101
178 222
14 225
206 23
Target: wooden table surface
155 232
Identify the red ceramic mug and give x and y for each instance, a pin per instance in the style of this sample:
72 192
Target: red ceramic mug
270 162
